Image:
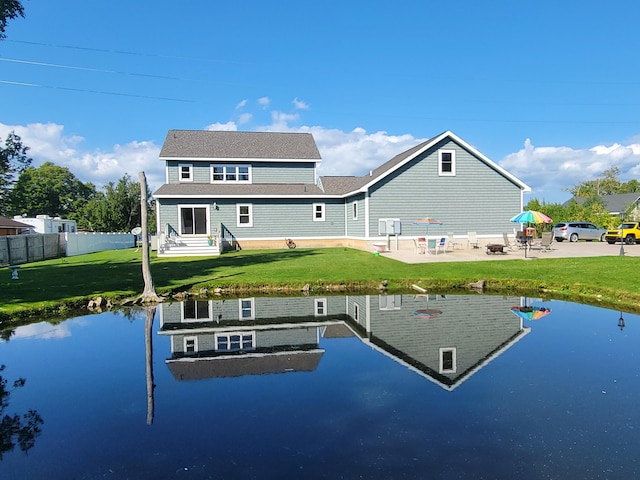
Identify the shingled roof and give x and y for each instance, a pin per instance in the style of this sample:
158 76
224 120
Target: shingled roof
206 144
239 190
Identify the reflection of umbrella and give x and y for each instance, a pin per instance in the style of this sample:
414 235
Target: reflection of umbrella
427 313
531 216
427 221
531 313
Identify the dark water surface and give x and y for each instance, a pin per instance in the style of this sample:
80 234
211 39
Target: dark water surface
411 386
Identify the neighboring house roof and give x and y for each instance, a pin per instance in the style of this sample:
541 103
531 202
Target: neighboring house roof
207 145
615 204
348 185
238 190
9 223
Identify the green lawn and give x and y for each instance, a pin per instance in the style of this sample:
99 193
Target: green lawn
55 285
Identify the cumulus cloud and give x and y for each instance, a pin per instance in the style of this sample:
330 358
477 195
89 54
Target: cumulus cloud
264 102
550 170
48 143
42 331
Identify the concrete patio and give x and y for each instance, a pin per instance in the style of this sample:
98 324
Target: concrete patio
466 253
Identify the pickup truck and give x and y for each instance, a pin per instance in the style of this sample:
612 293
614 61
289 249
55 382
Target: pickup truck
629 231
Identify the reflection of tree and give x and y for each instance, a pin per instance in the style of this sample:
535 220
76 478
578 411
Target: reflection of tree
22 430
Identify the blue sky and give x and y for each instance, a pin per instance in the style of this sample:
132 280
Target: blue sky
547 89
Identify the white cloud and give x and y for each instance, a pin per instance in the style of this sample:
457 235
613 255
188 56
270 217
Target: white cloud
264 102
299 104
244 118
42 330
242 104
227 127
48 143
550 170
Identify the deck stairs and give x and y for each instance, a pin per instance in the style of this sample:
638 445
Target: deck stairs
179 246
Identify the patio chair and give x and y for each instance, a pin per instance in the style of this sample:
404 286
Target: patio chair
507 243
419 245
432 246
473 239
451 243
441 245
547 240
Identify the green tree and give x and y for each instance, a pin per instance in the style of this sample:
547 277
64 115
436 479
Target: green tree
9 9
607 184
50 190
13 161
15 429
117 209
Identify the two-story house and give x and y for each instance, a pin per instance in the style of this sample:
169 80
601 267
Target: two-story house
256 189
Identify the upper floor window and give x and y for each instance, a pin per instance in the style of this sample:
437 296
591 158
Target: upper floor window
448 360
446 162
185 172
318 212
231 173
235 341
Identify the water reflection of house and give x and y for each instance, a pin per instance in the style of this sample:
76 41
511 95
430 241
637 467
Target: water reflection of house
247 336
445 339
462 333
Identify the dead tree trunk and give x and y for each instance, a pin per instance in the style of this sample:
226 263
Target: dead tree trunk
148 343
149 294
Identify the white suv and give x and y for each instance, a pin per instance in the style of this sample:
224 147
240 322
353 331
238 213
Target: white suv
574 231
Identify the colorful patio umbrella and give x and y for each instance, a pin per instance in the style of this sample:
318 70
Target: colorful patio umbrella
427 221
531 313
531 216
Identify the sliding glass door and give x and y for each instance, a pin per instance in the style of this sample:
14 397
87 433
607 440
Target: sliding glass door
193 220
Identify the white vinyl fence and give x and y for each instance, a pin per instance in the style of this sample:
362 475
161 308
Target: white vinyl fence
17 249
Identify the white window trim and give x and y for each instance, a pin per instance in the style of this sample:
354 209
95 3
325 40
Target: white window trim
187 320
195 345
241 333
390 302
180 167
354 207
323 211
207 207
253 309
356 312
238 206
452 173
454 367
316 304
226 168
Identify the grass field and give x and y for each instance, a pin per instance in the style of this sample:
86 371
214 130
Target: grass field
62 284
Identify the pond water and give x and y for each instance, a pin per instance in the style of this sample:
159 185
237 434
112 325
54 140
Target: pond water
407 386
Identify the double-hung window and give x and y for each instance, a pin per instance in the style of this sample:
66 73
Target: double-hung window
244 215
185 172
446 163
231 173
235 341
318 212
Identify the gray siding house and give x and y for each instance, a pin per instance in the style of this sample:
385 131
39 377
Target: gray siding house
256 189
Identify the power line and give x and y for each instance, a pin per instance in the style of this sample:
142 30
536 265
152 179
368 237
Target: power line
101 92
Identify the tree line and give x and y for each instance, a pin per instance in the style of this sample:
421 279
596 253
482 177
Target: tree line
591 208
54 190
